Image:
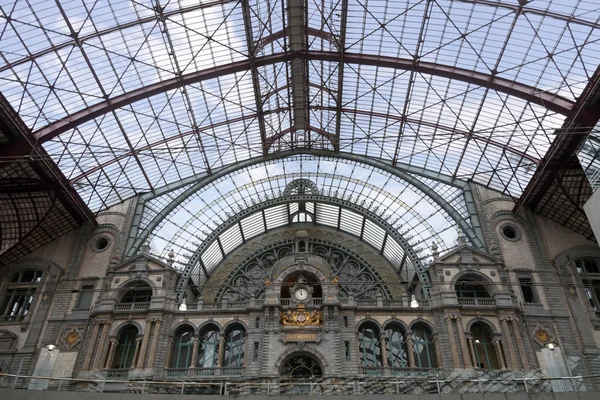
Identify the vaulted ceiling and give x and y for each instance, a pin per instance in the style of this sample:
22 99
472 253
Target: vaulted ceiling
128 97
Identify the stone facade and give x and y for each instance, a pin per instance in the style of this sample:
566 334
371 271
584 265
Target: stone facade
90 337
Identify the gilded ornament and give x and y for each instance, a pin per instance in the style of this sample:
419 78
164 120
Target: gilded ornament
301 317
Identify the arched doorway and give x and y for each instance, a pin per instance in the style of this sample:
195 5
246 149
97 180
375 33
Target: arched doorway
299 373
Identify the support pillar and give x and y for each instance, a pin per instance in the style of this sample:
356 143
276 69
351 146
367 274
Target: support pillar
138 342
154 346
463 343
499 352
452 343
169 351
195 343
112 347
144 346
438 355
221 350
384 360
103 335
92 347
411 353
472 352
512 359
520 346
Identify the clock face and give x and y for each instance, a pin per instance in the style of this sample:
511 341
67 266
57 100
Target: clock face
301 294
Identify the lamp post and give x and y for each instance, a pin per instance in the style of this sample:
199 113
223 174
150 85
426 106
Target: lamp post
50 347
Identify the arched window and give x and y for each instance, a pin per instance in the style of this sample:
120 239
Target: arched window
208 350
182 348
139 293
423 347
396 346
19 295
470 288
485 352
369 350
589 269
234 347
123 358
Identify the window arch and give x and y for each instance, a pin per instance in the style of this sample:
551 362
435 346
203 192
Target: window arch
485 351
471 287
395 345
139 292
123 358
208 349
20 294
423 347
182 347
234 347
369 349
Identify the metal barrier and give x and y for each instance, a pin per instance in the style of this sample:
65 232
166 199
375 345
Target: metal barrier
326 386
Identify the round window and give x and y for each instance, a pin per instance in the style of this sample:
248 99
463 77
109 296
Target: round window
510 232
101 243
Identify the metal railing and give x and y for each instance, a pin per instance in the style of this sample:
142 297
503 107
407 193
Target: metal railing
503 383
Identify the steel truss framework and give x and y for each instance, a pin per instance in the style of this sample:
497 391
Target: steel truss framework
180 191
140 97
194 216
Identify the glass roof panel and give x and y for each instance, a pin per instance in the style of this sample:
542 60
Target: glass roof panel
131 96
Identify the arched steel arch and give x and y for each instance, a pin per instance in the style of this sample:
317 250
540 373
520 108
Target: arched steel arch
409 252
328 136
168 14
403 171
544 99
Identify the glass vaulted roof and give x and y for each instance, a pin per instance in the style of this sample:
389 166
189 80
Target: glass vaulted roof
404 207
128 97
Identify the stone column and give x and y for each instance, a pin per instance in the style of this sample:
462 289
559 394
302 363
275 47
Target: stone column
157 324
522 353
221 350
472 352
463 343
103 335
499 352
384 360
144 346
110 347
111 352
138 342
455 358
90 353
411 353
195 343
512 359
169 351
438 355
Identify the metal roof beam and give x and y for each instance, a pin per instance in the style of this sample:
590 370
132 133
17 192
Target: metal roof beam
277 35
548 100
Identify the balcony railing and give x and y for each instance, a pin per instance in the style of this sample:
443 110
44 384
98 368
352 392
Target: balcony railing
116 373
372 371
231 371
413 371
189 372
132 306
476 302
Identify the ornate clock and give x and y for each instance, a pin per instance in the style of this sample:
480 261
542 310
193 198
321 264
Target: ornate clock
301 293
